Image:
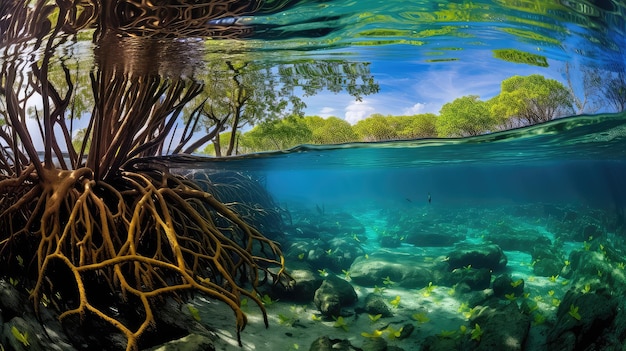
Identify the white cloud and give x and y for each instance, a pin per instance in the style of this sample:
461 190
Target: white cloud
415 109
326 112
358 110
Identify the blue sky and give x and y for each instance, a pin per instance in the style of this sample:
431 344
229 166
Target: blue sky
411 87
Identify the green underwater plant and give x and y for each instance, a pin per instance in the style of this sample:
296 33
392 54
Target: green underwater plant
387 281
375 334
539 319
373 318
243 304
510 297
395 302
573 311
420 317
286 320
267 300
393 333
447 333
517 283
19 336
379 290
466 311
194 312
427 291
476 333
340 323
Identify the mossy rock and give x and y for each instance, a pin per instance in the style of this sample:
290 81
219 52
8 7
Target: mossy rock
333 295
404 271
477 256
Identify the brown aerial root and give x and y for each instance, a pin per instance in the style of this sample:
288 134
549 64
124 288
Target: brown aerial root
147 235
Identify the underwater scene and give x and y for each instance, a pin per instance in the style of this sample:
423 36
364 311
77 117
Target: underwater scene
312 175
511 241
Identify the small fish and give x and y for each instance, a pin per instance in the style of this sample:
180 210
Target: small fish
429 198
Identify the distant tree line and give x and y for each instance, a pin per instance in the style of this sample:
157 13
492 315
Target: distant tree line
522 101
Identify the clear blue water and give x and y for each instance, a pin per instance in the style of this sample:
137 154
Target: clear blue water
576 160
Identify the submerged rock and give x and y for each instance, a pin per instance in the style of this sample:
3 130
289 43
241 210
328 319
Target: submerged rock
473 279
512 239
477 256
584 322
324 343
441 343
548 267
505 285
404 271
303 285
28 331
374 344
11 301
334 294
504 328
375 304
335 254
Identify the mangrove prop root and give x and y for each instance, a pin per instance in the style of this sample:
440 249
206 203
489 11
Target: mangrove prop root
143 235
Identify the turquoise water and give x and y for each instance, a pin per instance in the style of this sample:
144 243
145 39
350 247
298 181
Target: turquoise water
551 196
577 160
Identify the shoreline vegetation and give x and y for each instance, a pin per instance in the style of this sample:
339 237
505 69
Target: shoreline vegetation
523 101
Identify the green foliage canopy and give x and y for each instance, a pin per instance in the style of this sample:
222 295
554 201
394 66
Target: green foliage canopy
277 134
465 116
375 128
532 99
255 92
331 130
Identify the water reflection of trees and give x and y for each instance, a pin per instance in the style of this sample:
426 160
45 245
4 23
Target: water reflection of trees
101 230
243 92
